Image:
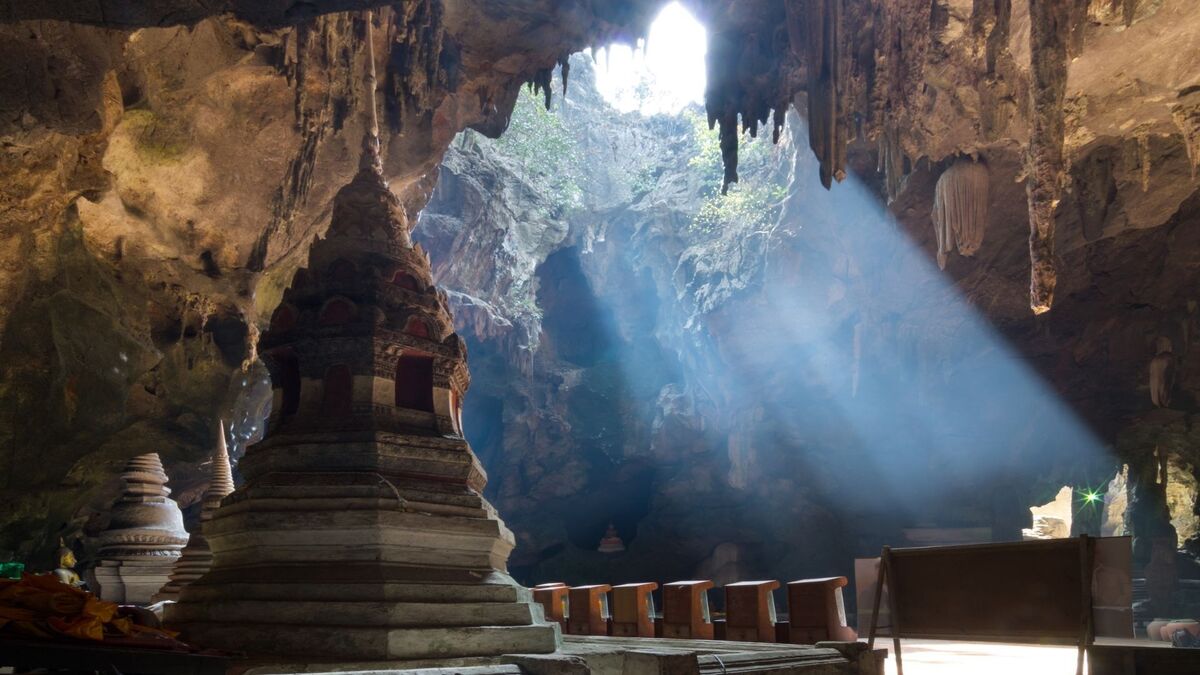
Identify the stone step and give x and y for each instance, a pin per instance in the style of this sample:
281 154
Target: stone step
349 613
331 642
362 592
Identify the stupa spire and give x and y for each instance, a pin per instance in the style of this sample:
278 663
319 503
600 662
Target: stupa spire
222 475
370 160
197 556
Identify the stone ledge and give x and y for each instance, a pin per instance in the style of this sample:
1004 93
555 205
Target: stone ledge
582 655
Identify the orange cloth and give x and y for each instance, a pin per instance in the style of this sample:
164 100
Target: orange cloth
39 605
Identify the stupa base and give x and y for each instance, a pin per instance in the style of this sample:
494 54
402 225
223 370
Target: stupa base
131 582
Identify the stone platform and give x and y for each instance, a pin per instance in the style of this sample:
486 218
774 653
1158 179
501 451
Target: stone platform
629 656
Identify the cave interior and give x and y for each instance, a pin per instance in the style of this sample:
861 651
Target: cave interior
330 328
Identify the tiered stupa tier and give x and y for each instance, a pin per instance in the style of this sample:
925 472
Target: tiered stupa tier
197 556
144 536
361 532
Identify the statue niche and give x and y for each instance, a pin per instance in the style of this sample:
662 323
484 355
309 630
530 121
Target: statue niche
414 382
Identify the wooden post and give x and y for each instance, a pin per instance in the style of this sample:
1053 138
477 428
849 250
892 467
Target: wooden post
685 610
589 610
886 570
875 607
1085 576
632 610
750 611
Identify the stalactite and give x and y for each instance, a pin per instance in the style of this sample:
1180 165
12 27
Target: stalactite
991 22
960 208
1162 373
891 161
1128 10
1049 31
1186 115
540 82
1144 162
815 31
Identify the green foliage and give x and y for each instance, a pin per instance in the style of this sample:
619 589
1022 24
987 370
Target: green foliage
749 204
545 149
643 181
707 159
753 201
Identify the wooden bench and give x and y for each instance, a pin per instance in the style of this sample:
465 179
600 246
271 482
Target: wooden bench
750 611
633 610
589 610
553 599
685 610
816 612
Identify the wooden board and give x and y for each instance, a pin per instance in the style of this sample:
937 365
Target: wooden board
1127 660
1013 592
1024 591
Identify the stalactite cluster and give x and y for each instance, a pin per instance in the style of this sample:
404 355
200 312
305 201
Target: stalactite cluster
960 208
744 81
422 65
318 58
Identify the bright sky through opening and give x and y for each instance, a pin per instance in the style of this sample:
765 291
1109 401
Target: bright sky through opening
664 76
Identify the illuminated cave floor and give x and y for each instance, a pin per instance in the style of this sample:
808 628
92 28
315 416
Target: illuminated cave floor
937 657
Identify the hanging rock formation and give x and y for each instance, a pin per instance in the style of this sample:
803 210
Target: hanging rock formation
1162 373
960 208
1050 24
196 557
144 536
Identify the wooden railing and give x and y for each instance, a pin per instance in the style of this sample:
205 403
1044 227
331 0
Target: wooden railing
814 606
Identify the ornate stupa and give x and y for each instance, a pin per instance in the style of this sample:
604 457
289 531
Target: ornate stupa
144 537
197 556
611 541
361 532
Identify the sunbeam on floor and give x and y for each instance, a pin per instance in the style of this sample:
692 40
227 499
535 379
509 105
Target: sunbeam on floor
935 657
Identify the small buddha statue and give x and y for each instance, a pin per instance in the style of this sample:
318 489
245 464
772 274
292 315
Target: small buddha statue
611 542
66 566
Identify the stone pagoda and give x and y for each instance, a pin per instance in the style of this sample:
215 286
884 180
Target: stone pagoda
361 532
197 556
144 536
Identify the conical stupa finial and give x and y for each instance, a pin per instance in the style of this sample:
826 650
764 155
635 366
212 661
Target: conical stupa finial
370 160
221 483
